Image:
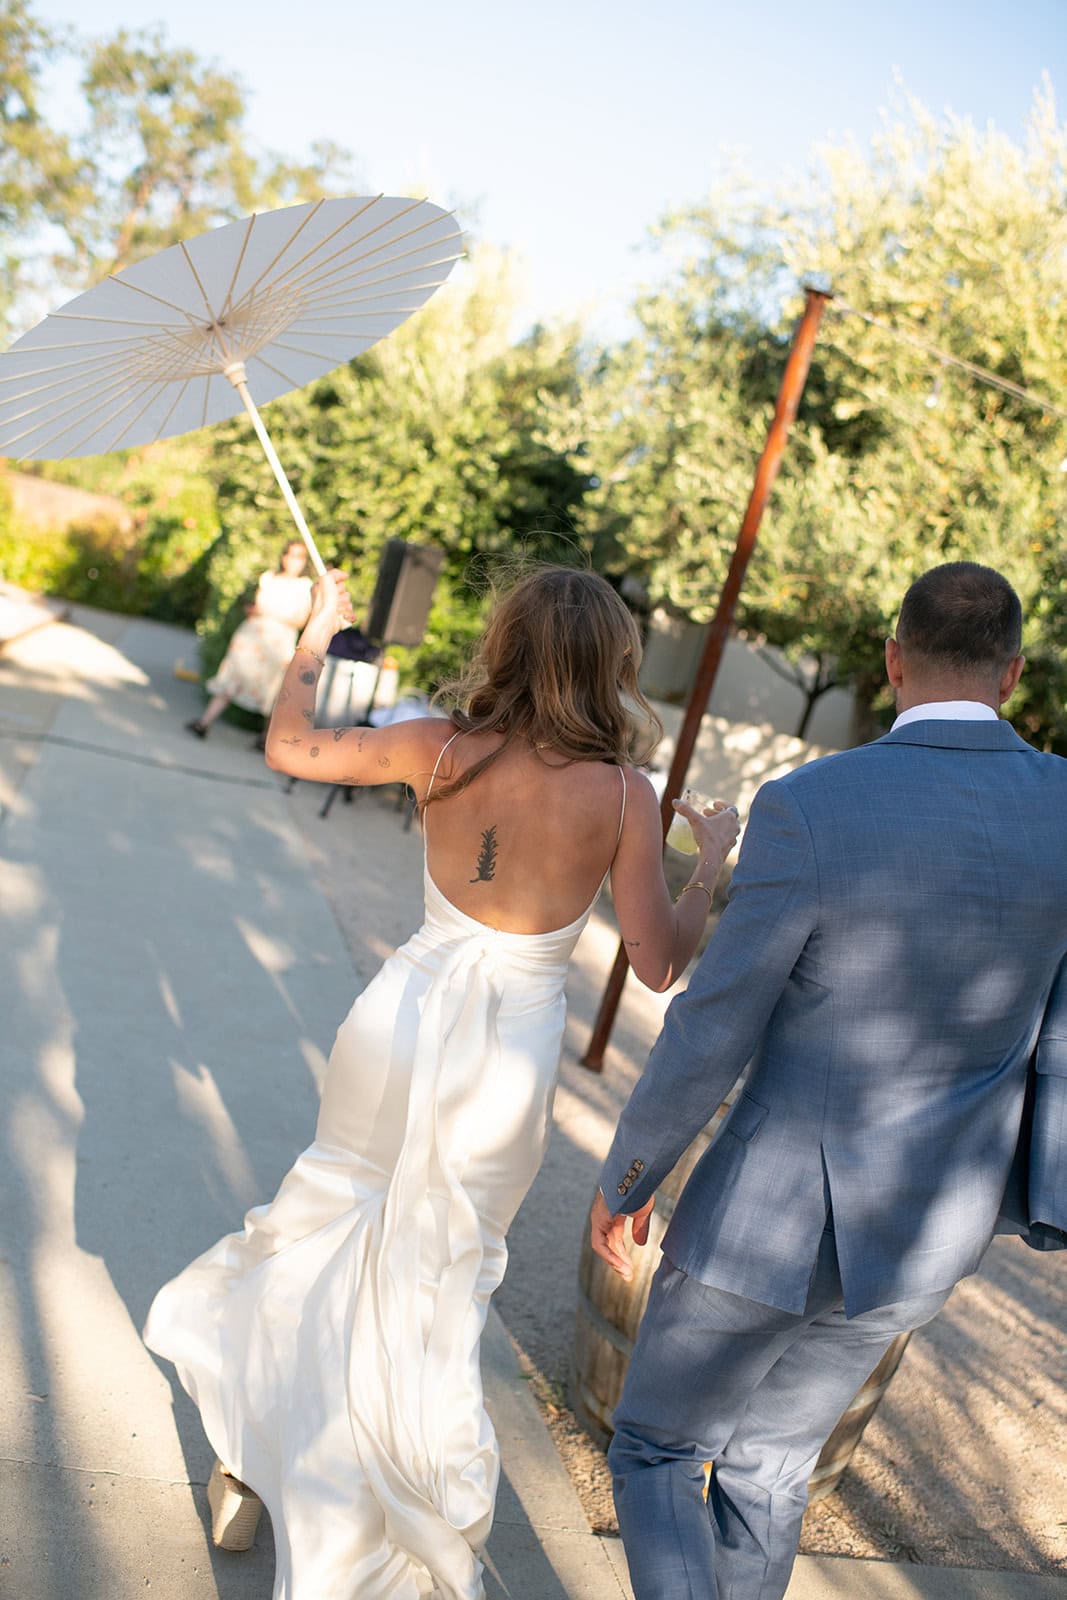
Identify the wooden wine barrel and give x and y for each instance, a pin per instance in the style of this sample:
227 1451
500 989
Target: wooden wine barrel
836 1453
610 1310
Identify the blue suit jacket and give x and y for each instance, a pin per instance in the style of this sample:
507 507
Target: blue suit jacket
893 963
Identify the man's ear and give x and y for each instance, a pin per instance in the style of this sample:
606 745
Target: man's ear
1010 681
893 667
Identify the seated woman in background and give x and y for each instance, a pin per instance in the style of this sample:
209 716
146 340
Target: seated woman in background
253 667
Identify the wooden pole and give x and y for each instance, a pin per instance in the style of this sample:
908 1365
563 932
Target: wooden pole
792 387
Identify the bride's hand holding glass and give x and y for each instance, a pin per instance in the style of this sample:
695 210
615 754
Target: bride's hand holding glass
715 829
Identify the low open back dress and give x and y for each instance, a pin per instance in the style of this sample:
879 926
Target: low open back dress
332 1345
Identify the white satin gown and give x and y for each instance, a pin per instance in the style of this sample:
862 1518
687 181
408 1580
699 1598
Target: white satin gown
332 1346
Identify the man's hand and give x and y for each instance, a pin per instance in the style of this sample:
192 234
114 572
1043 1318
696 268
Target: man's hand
609 1233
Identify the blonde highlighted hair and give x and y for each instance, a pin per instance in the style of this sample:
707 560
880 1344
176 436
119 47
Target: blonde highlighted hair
557 666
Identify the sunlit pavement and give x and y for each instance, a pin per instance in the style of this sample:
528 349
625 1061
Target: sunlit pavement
173 979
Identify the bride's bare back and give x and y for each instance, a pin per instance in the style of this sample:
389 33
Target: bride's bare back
544 720
525 847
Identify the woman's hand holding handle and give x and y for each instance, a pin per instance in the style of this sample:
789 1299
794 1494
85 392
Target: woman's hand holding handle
331 606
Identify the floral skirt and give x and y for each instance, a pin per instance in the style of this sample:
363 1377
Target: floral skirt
252 669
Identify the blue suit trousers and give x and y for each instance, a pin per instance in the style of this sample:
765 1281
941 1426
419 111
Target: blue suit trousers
757 1390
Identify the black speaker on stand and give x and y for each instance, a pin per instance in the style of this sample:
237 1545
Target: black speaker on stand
399 611
403 593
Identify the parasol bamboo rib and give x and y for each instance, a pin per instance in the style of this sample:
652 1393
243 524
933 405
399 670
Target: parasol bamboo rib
175 403
42 444
277 256
278 371
285 277
343 271
238 264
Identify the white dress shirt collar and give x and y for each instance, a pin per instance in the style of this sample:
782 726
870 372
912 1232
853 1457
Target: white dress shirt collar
946 711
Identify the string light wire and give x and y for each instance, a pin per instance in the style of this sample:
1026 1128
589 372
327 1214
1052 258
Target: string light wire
981 373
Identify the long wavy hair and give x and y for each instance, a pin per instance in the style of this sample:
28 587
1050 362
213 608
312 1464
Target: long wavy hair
556 667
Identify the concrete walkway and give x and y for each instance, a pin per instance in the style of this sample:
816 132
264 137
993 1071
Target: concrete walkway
172 982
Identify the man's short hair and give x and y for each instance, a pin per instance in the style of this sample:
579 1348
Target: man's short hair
963 617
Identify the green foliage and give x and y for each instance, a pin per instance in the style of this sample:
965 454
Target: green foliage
157 569
167 155
92 564
40 179
959 237
163 154
897 462
6 509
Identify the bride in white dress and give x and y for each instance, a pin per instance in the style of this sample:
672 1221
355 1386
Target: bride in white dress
332 1345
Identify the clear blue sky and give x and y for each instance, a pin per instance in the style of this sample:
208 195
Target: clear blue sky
564 129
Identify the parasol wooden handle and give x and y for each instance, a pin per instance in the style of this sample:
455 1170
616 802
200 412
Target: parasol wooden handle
238 377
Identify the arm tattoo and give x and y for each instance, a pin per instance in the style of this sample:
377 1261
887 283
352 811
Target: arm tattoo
284 695
308 716
487 856
307 677
292 741
314 750
633 944
355 783
339 733
383 761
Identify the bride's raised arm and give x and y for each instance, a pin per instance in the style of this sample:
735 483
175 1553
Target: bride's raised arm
403 752
660 935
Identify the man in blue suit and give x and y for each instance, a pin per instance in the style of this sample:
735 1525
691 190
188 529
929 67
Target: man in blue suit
893 964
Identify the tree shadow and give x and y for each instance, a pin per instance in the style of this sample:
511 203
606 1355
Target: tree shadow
160 974
167 982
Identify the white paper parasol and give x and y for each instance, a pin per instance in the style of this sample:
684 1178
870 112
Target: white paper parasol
178 341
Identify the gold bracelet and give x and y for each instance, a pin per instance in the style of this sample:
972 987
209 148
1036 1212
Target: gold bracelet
309 652
696 884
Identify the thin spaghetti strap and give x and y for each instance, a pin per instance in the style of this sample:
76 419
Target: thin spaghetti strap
437 763
622 810
618 836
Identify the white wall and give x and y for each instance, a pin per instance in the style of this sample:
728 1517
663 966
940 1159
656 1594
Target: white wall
731 760
746 690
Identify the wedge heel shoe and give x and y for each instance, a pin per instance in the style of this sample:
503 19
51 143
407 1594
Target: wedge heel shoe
235 1510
